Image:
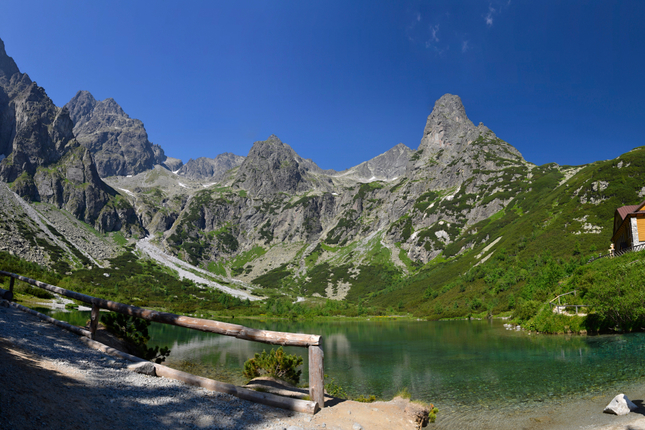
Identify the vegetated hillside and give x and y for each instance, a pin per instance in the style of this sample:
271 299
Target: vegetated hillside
461 225
467 227
544 234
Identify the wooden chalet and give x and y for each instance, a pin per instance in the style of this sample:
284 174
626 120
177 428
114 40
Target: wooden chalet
629 226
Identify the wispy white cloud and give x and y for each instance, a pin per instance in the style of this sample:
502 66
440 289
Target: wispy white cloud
434 39
489 15
464 46
434 30
410 29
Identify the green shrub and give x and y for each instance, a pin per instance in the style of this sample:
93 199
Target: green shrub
33 291
432 416
363 399
335 390
134 331
276 364
526 310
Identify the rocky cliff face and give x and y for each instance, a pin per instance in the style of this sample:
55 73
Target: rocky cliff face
273 167
118 143
385 167
419 202
43 161
210 168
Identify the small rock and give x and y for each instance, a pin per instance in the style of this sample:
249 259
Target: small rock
620 405
294 428
357 426
143 367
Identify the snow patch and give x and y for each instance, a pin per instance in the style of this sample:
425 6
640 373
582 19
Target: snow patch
128 176
130 193
209 185
175 171
182 185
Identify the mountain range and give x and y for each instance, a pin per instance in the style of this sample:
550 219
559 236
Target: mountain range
400 227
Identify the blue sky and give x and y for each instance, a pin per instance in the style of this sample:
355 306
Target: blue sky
342 82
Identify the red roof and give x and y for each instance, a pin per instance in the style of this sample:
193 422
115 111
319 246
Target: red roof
625 210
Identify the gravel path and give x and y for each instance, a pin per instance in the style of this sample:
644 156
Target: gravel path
43 366
50 379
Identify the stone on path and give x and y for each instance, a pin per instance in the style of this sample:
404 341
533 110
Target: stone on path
620 405
144 367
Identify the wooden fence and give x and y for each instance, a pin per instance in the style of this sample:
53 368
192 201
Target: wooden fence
619 253
312 342
560 306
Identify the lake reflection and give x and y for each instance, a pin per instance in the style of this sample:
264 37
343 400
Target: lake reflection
464 364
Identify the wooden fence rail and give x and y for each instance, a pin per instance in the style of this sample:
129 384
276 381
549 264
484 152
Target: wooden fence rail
310 341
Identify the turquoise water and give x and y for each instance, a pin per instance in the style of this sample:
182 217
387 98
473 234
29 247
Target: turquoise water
465 364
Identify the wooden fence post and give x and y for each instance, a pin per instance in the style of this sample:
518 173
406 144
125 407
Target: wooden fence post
94 320
317 374
11 282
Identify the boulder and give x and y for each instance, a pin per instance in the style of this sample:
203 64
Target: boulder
143 367
620 405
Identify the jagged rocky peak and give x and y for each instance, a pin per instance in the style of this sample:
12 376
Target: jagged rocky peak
449 131
272 167
34 133
8 67
384 167
448 126
119 143
172 164
210 168
81 106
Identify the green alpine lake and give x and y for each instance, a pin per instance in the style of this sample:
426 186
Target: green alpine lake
457 365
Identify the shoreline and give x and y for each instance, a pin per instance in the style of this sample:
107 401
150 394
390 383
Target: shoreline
564 413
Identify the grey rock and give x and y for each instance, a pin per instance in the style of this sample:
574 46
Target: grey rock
118 143
36 134
273 167
620 405
172 164
210 168
144 367
357 426
384 167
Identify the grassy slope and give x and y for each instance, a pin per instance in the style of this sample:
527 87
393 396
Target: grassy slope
538 245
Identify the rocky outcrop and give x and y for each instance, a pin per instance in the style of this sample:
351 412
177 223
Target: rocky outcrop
385 167
273 167
172 164
210 168
119 144
43 161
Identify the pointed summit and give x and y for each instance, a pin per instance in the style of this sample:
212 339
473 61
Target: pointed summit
448 125
272 167
8 67
119 143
